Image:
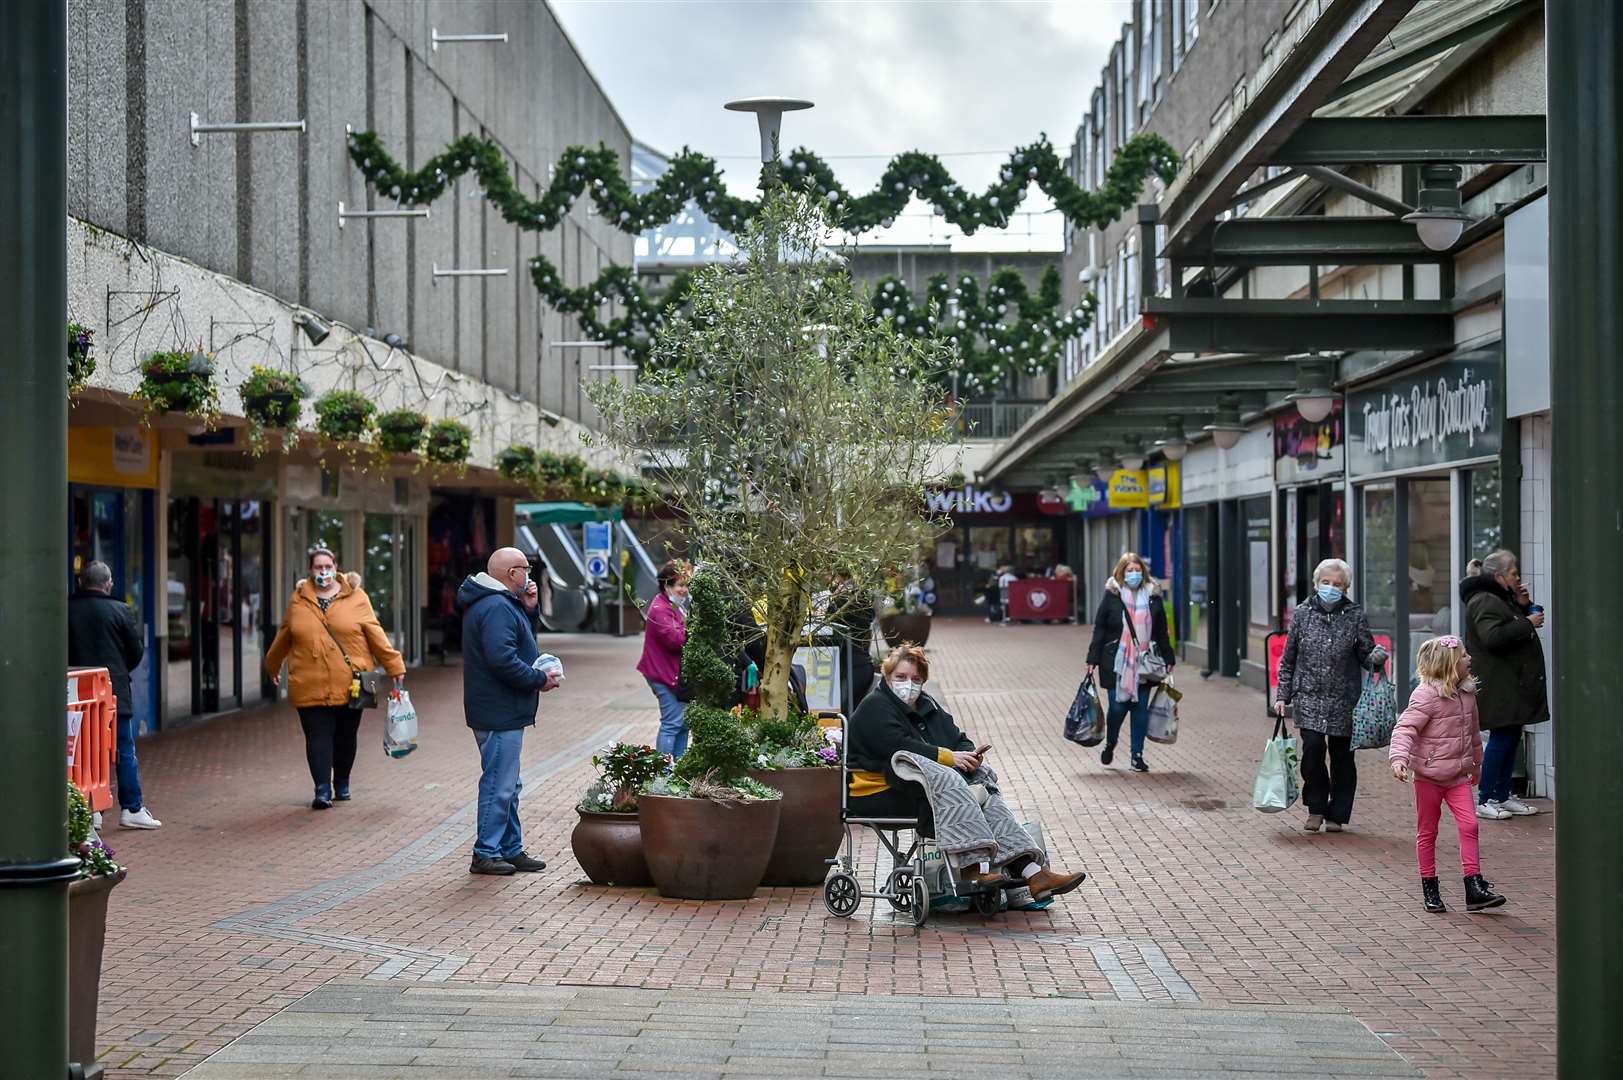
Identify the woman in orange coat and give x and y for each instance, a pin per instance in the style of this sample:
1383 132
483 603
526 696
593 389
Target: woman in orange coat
329 634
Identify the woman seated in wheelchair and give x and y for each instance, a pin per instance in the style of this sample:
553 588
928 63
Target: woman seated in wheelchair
900 716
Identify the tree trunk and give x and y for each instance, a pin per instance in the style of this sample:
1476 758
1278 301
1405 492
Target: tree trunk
785 617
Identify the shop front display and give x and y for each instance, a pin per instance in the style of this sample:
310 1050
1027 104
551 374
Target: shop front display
991 529
1309 474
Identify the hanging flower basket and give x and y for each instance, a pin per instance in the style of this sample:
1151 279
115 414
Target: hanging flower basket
402 431
81 362
449 442
559 475
273 399
344 415
517 463
180 382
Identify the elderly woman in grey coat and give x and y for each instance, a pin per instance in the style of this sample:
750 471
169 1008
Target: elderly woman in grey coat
1321 678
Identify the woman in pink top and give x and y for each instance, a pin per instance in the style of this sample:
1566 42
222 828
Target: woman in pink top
1436 745
661 662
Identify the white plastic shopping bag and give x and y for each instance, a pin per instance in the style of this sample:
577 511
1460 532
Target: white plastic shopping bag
1163 710
1276 788
400 730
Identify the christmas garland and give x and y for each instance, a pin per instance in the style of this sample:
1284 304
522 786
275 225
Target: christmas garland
1011 330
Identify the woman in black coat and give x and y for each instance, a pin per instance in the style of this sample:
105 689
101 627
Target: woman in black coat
1114 661
1501 634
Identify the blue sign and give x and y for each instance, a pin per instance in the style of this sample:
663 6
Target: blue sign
599 537
597 566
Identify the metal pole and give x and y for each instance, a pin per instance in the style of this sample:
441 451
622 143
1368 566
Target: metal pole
1585 94
34 868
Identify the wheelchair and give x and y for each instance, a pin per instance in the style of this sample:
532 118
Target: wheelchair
906 887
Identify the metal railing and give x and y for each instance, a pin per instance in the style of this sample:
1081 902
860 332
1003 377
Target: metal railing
989 420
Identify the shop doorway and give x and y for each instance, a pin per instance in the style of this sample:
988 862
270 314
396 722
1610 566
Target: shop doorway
216 609
114 526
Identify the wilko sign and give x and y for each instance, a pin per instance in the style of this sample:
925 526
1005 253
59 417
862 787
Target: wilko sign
969 500
1448 412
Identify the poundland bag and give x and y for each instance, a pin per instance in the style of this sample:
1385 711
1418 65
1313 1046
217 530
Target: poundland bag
1163 709
1275 788
1376 714
400 730
1085 723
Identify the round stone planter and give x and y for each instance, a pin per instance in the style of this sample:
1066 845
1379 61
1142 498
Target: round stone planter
809 829
609 849
899 628
702 849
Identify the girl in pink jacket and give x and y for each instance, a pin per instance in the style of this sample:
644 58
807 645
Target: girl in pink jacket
1437 746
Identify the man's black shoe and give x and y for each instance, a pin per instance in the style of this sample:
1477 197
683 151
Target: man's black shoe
500 867
526 865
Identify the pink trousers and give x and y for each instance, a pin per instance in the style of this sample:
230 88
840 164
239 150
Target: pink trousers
1429 798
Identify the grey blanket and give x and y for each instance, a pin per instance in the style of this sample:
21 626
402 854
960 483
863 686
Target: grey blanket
970 827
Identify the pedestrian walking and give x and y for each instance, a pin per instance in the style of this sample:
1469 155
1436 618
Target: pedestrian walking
329 636
1436 746
105 632
1130 651
665 634
501 688
1501 633
1320 679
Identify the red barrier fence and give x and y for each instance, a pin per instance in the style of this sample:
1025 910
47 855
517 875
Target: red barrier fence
92 717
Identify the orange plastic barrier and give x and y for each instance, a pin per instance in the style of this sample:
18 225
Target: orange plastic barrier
92 717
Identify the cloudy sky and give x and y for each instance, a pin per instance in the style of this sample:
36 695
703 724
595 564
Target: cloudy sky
955 79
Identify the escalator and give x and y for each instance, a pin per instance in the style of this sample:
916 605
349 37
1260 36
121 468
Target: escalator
644 574
568 602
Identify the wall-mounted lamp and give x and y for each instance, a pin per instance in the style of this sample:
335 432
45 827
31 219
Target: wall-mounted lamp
1440 219
345 215
439 272
394 341
1175 445
768 119
1226 429
436 39
315 331
1087 275
1104 466
1314 396
550 418
1132 454
199 127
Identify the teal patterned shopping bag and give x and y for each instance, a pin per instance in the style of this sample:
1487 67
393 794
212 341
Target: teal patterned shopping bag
1376 713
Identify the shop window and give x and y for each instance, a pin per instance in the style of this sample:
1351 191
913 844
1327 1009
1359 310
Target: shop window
989 546
1378 573
378 578
325 530
1034 551
1429 564
1258 541
1484 531
1197 539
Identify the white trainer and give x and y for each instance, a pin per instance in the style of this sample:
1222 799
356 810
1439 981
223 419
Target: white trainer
143 819
95 820
1517 807
1491 810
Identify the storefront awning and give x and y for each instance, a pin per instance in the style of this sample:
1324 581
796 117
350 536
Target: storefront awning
565 513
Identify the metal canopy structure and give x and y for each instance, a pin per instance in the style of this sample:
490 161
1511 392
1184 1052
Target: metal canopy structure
1198 350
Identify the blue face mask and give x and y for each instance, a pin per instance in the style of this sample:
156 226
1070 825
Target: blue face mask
1133 578
1329 594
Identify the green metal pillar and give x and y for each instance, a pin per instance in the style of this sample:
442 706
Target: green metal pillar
1585 66
34 870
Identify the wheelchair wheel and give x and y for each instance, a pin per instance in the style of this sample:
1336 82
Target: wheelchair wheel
987 902
899 884
921 901
842 895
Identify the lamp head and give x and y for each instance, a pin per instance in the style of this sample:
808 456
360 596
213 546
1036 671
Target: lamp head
1175 445
315 331
1314 396
1226 429
1439 219
768 118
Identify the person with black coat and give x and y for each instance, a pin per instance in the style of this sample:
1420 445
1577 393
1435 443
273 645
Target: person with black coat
1501 634
898 715
105 632
1120 642
852 618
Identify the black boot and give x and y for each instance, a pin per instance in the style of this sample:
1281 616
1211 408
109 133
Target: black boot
1478 896
1433 895
1139 765
1108 754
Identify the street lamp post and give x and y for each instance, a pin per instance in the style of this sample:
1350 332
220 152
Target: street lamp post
1585 103
34 867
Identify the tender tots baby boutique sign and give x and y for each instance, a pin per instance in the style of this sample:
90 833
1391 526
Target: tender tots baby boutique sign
1444 413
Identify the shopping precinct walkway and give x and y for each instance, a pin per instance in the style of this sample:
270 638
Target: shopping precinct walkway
1211 937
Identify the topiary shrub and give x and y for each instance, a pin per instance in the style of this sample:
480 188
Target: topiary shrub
720 749
705 670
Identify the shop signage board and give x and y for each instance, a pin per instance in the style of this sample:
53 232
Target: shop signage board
1135 489
1446 412
969 499
113 457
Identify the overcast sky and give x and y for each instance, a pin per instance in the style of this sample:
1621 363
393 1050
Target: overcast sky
944 77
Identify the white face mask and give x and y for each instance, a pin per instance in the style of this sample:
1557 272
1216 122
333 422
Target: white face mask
907 690
324 578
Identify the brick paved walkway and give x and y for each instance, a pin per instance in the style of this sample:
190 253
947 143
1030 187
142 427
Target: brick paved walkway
246 900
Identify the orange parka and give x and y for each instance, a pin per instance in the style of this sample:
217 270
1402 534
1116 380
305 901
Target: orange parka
316 672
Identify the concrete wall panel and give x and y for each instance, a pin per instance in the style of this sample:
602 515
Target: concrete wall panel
336 259
433 306
388 235
273 175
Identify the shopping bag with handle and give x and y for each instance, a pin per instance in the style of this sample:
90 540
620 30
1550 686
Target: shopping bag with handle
1163 710
400 730
1376 714
1085 723
1275 788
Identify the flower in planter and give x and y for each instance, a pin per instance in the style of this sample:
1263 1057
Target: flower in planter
81 364
517 463
402 431
449 442
344 415
625 768
180 382
95 858
271 399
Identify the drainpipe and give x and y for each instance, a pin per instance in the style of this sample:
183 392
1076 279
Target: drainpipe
34 869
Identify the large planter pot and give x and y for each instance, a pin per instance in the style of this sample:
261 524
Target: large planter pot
899 628
87 933
809 828
701 849
609 848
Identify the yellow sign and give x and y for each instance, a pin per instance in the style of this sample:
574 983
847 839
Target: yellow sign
113 457
1129 489
1166 486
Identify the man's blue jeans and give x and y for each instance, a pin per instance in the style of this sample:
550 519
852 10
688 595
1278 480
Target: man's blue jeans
498 829
1498 762
673 720
129 776
1140 725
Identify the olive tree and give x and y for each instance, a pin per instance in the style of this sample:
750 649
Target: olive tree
792 429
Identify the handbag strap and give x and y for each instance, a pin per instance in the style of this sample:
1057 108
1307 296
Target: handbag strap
1132 631
353 670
